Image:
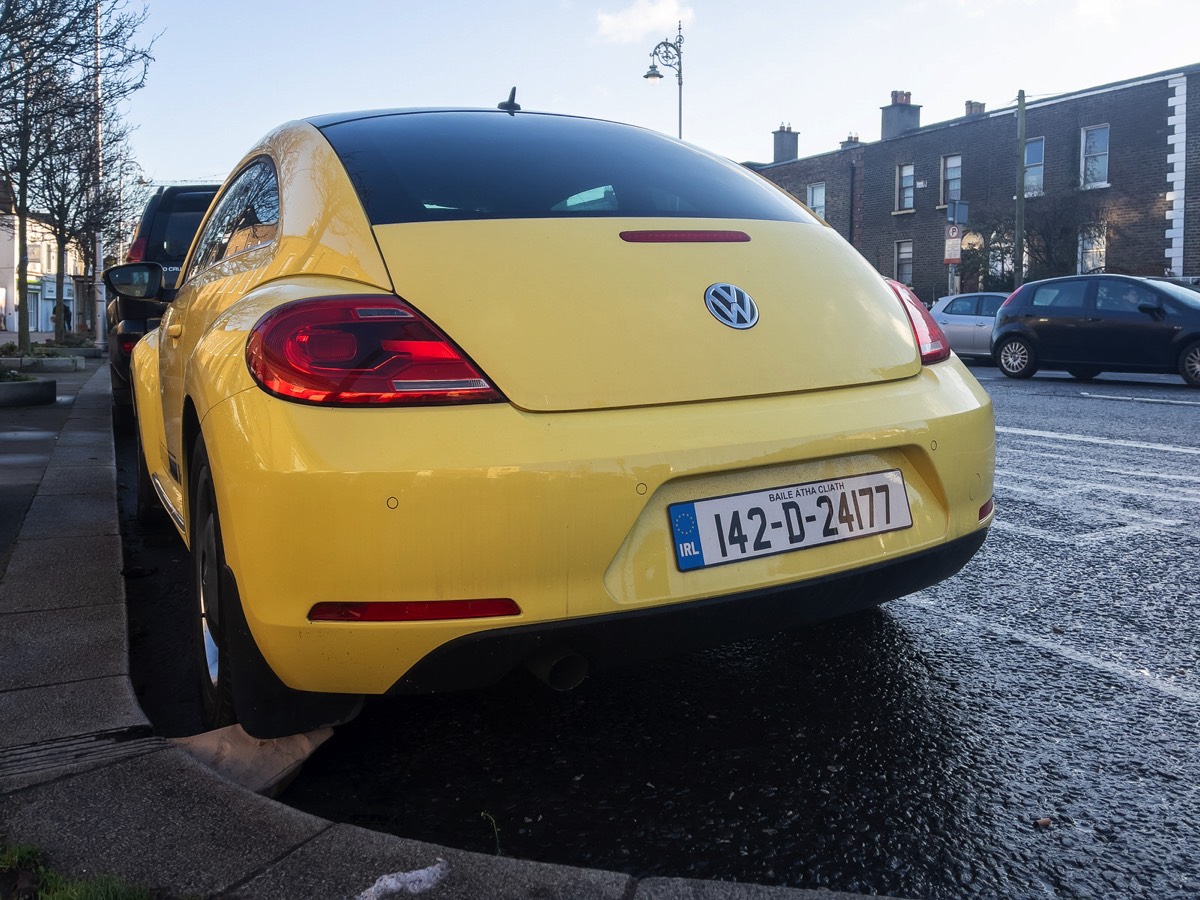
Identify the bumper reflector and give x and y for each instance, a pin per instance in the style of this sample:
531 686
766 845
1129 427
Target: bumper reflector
413 610
986 509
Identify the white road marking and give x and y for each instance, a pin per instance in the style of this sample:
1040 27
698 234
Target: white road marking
1104 442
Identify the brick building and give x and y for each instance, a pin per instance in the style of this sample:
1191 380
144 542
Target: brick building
1105 177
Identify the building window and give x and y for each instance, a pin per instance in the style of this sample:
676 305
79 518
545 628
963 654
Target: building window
951 178
1035 164
1093 165
904 186
904 256
1092 240
816 198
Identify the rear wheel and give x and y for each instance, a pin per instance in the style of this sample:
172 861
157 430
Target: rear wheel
1016 358
1083 373
236 683
1189 364
207 567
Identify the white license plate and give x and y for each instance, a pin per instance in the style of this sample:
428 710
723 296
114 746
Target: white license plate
730 529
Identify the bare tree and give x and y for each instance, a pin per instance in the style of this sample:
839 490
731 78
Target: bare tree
51 53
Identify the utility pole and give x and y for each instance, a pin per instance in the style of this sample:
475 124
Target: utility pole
1019 223
101 314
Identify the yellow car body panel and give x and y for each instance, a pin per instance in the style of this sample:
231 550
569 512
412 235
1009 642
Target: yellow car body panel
588 334
322 232
565 513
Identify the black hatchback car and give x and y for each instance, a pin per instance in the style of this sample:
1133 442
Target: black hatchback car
1088 324
164 235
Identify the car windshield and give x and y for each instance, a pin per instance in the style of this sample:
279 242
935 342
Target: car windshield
433 166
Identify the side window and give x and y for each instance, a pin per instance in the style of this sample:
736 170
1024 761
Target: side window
988 306
246 217
961 306
1123 296
1062 298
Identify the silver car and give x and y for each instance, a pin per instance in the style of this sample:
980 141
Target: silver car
967 320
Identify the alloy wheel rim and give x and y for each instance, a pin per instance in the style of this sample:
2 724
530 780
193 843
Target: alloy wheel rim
1192 364
1014 356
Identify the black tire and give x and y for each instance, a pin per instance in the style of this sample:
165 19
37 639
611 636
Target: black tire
1015 357
1189 364
122 418
210 651
149 509
1083 373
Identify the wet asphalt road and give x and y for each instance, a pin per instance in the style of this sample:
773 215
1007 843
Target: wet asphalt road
1030 728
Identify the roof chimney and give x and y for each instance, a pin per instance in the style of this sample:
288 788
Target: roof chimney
974 108
901 116
850 141
787 143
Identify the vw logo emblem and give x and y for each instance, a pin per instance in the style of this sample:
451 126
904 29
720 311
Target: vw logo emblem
731 306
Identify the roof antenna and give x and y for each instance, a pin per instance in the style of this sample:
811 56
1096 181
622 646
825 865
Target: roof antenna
510 106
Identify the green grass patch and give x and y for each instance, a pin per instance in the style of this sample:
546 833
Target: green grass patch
25 876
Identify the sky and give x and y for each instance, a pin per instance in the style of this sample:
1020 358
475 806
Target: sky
226 72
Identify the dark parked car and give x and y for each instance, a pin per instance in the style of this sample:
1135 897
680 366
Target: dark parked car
967 320
164 235
1089 324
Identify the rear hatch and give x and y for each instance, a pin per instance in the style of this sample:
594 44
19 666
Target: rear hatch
568 315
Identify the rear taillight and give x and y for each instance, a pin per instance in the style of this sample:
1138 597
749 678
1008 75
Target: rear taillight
1009 299
360 351
137 250
930 338
126 343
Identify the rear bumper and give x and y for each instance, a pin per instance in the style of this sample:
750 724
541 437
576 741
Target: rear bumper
567 515
477 660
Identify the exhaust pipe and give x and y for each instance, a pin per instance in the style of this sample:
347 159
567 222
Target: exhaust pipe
561 670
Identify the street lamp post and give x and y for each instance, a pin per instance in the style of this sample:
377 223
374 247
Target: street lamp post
670 54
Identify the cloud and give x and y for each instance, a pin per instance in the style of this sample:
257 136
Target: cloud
643 19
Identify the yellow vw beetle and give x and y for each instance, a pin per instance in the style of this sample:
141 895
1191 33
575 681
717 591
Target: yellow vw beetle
442 394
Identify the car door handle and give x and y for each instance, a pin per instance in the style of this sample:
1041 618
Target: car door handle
174 331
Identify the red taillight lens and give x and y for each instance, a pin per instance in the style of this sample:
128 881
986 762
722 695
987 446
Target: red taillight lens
413 610
360 351
986 509
126 343
930 338
137 251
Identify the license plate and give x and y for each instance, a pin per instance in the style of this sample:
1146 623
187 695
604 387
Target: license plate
736 527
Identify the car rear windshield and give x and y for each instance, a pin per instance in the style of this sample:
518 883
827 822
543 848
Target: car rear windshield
432 166
175 225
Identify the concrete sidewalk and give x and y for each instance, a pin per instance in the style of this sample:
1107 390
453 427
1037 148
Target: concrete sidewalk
82 775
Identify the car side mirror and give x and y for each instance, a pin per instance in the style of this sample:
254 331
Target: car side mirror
139 290
135 281
1153 310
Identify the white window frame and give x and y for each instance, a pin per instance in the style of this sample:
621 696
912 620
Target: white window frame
1093 248
901 258
946 167
901 189
1040 167
811 194
1084 156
